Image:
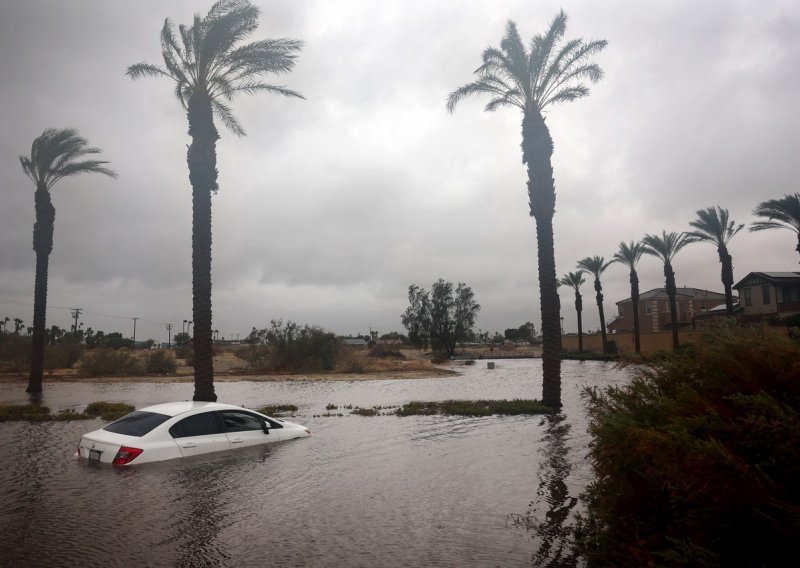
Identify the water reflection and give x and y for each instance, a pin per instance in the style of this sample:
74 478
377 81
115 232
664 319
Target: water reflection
549 515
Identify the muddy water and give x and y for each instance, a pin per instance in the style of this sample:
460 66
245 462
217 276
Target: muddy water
362 491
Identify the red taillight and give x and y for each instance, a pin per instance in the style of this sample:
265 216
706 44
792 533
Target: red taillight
126 455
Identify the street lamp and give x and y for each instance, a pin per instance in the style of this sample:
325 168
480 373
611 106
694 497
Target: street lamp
183 327
189 328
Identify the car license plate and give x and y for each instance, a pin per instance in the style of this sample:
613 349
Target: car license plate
94 455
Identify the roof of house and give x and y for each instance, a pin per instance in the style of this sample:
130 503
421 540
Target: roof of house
771 277
693 293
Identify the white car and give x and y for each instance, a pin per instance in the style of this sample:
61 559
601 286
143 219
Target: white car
183 429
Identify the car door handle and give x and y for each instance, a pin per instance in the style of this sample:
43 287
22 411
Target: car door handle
236 441
188 445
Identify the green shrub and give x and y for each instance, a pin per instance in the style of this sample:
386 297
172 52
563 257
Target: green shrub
382 350
161 362
698 458
473 407
291 348
30 412
15 352
107 362
277 409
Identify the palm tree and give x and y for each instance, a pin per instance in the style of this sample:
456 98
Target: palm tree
531 79
596 265
575 281
629 255
55 154
779 214
714 226
209 70
665 248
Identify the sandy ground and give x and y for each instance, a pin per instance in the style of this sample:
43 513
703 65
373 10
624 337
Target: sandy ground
414 364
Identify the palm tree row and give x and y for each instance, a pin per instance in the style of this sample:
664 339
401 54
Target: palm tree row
713 225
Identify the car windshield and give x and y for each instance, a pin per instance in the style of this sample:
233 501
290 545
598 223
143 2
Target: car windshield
137 423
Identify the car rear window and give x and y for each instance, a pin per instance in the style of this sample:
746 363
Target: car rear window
137 423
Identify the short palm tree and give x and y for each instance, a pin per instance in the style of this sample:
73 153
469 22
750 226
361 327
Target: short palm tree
209 68
575 280
56 154
596 265
713 225
531 78
629 255
665 248
781 213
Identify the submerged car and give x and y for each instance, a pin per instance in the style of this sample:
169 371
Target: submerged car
183 429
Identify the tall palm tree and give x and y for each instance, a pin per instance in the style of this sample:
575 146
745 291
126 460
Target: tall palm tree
56 154
779 214
209 70
629 255
532 78
713 225
665 248
575 281
596 265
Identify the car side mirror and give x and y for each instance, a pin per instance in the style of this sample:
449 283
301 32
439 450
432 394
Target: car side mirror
265 427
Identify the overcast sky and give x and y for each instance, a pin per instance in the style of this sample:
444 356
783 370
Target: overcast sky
333 205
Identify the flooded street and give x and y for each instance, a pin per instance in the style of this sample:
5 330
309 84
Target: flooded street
361 491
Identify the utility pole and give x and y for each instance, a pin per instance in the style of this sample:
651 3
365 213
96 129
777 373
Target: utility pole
76 312
134 332
169 336
183 328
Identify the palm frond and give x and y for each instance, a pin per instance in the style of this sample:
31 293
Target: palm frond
595 265
667 245
629 254
226 116
573 279
781 213
139 70
713 225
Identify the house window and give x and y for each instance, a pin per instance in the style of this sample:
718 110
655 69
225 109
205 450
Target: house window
787 295
765 295
748 299
647 308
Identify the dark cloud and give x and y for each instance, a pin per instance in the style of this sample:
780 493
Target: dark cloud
332 206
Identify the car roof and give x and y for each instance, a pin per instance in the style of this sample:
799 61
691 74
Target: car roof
176 408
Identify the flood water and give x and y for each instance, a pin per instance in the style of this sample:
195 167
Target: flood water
361 491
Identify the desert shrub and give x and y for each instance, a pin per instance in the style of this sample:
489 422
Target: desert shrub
698 458
106 362
611 346
161 362
473 408
291 348
15 351
63 355
351 360
277 409
383 350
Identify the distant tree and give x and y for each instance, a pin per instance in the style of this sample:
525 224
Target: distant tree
525 332
3 323
629 255
115 340
394 335
182 339
55 154
714 226
596 265
781 213
18 325
665 248
445 315
531 79
209 70
575 280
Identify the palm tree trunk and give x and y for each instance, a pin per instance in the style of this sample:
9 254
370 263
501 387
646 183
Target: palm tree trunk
579 309
537 150
635 299
669 274
727 277
599 297
202 161
43 246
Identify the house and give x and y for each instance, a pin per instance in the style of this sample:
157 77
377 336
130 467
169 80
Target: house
769 294
654 309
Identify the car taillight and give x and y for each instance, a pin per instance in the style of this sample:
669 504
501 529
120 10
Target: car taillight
126 455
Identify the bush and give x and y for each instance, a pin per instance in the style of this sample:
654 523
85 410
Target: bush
107 362
698 458
291 348
383 350
161 362
15 352
108 410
